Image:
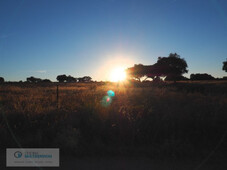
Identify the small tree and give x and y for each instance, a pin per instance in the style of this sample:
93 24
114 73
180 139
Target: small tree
2 80
87 79
224 67
71 79
46 81
175 78
84 79
33 79
62 78
203 76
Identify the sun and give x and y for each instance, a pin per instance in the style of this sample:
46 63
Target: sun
118 74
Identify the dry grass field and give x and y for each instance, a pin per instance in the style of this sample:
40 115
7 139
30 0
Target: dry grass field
180 121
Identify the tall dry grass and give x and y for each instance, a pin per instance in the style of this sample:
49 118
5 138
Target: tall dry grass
184 119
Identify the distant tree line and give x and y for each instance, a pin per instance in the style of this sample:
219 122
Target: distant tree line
171 68
60 78
70 79
37 80
203 76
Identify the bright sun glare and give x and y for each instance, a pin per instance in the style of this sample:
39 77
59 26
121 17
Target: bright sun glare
118 74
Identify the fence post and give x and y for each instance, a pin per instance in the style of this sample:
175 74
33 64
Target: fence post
57 97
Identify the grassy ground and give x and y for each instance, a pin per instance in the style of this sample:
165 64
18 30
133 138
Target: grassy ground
186 120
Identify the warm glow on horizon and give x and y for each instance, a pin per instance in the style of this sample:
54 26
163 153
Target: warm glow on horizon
118 74
114 66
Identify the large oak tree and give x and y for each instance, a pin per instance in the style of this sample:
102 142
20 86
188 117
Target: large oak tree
172 66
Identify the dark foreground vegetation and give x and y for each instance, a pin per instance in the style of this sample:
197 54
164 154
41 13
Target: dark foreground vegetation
181 121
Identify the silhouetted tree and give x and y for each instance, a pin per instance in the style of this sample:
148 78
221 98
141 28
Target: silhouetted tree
62 78
87 79
80 79
172 66
154 71
84 79
71 79
224 66
176 78
203 76
33 79
46 81
2 80
137 72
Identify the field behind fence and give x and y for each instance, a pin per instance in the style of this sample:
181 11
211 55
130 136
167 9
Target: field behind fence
156 120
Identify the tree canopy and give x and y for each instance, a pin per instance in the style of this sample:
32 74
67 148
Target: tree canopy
137 72
203 76
62 78
2 80
70 79
85 79
172 66
33 80
225 66
46 81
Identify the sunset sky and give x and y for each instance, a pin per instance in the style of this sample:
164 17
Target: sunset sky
45 38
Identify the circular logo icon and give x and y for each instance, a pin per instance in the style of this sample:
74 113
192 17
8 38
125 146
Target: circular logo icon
17 154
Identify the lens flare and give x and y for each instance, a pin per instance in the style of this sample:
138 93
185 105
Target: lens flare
107 100
110 93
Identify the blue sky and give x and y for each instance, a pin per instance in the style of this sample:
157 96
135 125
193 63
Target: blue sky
45 38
